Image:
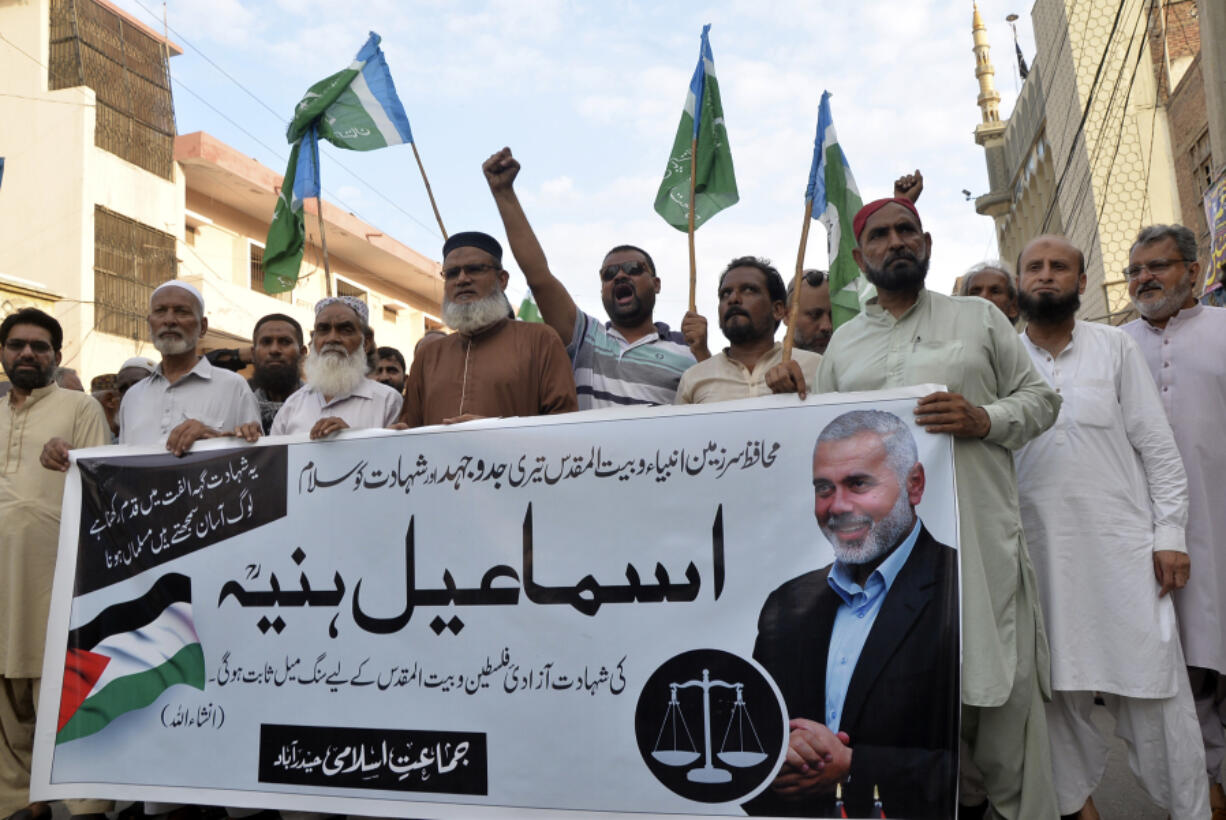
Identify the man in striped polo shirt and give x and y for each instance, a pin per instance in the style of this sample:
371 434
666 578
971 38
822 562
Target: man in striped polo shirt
628 360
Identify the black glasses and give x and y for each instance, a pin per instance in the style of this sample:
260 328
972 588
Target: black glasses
470 270
1157 267
609 272
17 345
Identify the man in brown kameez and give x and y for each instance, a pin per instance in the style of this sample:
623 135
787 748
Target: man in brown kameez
492 365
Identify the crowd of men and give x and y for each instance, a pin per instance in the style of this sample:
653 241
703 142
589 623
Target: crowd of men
1088 460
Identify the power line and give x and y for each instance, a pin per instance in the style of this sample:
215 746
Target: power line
332 156
206 58
178 82
1153 119
1085 187
45 100
1078 134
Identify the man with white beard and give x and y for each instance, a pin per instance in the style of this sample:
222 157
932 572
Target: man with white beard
185 398
493 365
865 651
337 395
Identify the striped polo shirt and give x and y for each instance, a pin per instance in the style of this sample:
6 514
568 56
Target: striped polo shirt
611 372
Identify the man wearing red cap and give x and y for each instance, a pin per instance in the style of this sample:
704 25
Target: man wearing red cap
995 401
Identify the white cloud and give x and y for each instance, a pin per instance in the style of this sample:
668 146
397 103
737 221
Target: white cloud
589 95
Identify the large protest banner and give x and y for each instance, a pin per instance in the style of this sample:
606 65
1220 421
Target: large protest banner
505 615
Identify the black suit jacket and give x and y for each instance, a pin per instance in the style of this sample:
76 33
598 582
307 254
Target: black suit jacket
901 709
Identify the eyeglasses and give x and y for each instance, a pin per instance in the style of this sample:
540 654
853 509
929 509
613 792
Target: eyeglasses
1157 267
609 272
470 270
40 347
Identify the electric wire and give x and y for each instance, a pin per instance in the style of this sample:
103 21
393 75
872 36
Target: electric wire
1079 133
280 118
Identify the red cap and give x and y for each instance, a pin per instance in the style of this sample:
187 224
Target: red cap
857 224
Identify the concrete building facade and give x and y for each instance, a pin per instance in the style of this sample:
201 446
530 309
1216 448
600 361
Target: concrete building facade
229 201
101 201
1088 149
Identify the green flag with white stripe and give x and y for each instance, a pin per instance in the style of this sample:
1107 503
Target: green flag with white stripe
357 109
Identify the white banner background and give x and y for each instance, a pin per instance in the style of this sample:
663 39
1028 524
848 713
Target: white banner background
547 748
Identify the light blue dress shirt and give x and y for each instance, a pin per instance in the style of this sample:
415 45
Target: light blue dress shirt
854 621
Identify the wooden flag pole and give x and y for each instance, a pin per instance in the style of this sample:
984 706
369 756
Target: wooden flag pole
693 263
429 192
789 338
323 244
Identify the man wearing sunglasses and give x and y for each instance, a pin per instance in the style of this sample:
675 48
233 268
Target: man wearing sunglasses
631 359
35 410
1182 342
814 325
492 365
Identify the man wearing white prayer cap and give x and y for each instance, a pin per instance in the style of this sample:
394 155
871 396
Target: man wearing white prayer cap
139 363
185 398
337 394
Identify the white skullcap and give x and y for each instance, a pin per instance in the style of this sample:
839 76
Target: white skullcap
143 362
179 283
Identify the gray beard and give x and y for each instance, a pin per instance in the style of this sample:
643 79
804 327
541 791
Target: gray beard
333 371
1172 300
174 346
881 539
469 317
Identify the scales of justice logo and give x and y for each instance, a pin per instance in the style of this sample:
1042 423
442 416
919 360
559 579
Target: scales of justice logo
710 726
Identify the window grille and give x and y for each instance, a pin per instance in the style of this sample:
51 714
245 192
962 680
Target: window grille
130 260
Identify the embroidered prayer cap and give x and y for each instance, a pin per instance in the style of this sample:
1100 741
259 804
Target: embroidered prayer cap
103 383
359 307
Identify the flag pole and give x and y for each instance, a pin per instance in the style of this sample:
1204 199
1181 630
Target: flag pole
429 192
693 263
789 338
323 243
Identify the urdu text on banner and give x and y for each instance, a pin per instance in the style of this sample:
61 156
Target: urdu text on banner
604 611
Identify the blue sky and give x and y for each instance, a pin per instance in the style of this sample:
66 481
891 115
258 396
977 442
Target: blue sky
588 95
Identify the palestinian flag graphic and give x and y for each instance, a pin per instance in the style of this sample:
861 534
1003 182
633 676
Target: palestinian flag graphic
127 656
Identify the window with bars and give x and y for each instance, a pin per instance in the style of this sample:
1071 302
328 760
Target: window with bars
344 288
256 254
1203 157
129 72
130 260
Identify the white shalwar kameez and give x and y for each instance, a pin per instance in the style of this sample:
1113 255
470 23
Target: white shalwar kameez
1100 492
1185 360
